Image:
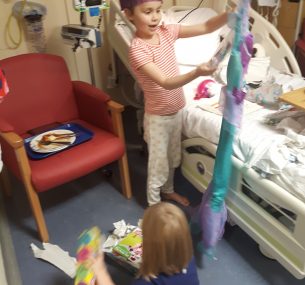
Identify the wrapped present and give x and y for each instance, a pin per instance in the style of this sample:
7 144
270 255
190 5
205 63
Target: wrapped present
130 247
124 246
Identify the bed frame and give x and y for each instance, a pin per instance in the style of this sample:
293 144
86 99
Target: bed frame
272 216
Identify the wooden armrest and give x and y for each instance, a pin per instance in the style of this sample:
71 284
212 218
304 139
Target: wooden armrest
14 140
115 106
17 143
116 109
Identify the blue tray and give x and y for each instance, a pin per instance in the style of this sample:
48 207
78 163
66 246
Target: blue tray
83 134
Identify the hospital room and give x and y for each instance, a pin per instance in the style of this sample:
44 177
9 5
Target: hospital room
152 142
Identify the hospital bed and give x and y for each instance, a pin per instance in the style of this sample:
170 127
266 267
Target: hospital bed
269 208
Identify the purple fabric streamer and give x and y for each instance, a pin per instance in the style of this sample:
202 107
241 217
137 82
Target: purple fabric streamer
212 222
239 95
233 109
232 105
246 50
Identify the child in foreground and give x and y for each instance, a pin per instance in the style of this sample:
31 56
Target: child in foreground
167 250
153 62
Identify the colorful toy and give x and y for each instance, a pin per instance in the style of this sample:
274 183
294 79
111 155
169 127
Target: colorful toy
89 243
212 213
205 89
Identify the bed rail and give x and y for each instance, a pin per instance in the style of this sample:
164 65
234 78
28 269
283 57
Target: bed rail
281 56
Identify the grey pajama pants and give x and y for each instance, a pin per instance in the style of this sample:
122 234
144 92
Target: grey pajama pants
163 137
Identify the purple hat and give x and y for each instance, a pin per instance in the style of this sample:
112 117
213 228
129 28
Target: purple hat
129 4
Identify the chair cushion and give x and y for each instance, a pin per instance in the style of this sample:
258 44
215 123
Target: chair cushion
76 161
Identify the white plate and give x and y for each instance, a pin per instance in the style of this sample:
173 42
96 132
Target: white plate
37 147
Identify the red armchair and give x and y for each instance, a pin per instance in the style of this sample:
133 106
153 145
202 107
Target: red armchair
41 93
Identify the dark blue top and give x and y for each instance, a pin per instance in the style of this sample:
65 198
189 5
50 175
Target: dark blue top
188 277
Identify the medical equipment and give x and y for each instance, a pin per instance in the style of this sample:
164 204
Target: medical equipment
31 15
85 5
81 36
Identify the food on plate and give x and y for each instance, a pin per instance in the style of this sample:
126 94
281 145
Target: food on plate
55 139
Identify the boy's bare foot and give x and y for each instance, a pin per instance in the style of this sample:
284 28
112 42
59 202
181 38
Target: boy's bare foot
176 197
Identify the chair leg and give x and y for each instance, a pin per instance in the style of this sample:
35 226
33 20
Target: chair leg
32 195
37 212
34 202
125 178
5 182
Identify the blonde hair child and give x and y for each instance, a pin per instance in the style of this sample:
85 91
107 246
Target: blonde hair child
167 250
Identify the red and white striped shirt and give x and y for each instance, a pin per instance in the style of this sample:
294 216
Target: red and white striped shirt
158 101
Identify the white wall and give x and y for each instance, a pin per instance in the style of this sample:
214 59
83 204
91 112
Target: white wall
59 13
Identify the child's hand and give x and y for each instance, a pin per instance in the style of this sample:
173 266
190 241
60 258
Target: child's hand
99 268
98 263
205 69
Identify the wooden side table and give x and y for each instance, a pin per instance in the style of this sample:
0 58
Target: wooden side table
295 98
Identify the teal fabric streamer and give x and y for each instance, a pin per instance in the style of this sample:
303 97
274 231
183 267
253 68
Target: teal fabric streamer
212 212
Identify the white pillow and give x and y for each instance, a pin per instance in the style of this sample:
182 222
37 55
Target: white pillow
195 50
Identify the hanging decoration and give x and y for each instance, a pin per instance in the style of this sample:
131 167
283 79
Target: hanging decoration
212 212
